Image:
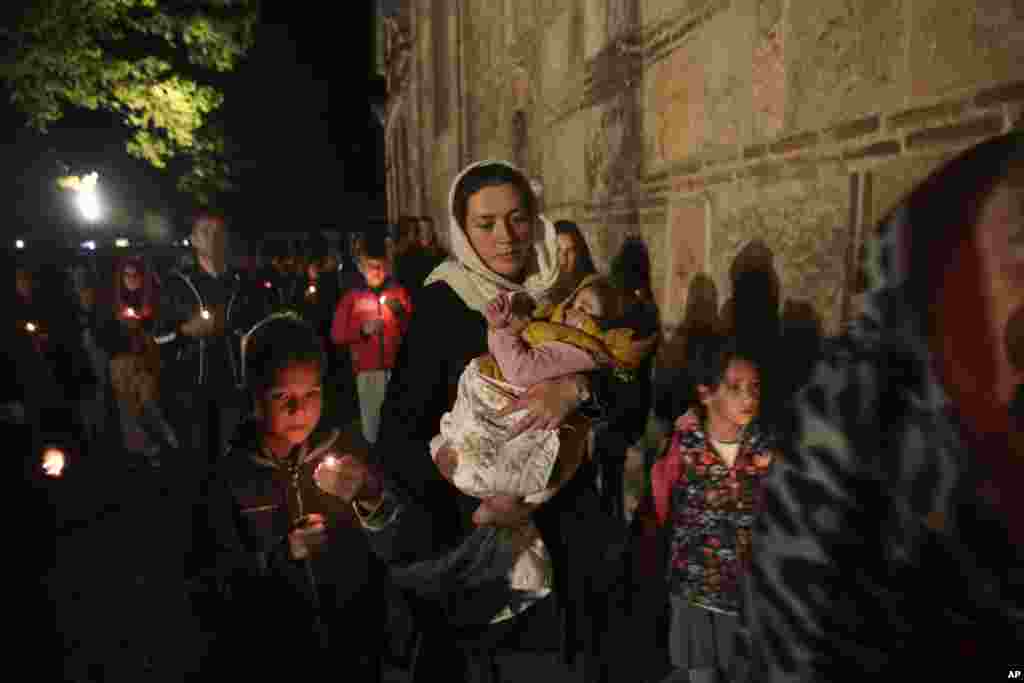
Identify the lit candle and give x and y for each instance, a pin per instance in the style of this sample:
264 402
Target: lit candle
204 314
331 461
31 327
53 462
312 289
130 312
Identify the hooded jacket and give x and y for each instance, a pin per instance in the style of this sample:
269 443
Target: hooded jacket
255 500
362 304
891 531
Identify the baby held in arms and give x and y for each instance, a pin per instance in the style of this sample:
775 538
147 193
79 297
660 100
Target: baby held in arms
475 450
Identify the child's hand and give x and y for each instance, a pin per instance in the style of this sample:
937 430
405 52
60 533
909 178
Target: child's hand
347 478
498 311
308 536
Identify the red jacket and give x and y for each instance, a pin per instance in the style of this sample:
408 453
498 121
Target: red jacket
377 352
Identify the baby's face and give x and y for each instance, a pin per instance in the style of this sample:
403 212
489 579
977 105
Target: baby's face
586 304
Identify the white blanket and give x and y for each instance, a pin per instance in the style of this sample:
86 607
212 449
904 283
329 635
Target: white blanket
489 463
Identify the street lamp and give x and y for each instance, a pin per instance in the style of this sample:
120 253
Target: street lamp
87 197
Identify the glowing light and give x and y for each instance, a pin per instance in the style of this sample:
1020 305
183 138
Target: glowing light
31 327
185 243
121 242
383 299
54 461
312 289
90 245
19 244
130 312
331 461
89 204
204 314
267 284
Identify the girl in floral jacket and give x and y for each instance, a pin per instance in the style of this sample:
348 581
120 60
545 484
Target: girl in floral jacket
706 491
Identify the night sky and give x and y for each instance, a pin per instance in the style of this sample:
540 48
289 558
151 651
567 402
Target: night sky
297 108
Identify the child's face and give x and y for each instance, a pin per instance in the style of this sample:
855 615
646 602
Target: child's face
737 398
291 406
376 270
588 303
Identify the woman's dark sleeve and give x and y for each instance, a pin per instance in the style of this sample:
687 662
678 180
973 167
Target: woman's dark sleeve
436 348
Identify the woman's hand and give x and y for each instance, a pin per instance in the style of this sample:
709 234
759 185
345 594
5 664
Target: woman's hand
447 461
504 511
549 405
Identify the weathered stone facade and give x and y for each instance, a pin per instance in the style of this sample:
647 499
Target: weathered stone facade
703 125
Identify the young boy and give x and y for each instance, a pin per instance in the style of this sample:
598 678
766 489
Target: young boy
299 571
706 494
371 321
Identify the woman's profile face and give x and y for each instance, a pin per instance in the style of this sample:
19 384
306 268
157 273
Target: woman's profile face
567 253
1000 237
499 228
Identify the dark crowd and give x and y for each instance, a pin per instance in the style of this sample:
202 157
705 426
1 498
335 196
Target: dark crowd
386 457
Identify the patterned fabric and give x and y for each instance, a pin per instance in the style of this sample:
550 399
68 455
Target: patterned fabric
711 509
489 463
877 549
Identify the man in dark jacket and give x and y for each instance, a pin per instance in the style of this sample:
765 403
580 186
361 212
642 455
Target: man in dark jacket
203 313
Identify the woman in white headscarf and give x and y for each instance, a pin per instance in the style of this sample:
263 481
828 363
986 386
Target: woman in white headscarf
442 545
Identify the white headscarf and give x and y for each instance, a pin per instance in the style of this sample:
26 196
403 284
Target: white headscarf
474 282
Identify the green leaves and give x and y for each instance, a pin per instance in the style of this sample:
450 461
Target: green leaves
141 59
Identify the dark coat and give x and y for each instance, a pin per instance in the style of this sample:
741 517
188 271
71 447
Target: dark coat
255 500
187 360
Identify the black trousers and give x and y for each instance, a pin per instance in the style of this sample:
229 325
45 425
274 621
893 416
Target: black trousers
204 420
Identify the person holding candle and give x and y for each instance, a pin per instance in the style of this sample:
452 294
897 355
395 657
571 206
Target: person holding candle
371 321
285 548
202 315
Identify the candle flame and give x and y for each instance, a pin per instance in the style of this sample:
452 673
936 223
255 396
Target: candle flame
383 298
267 284
53 462
31 327
312 289
330 461
205 314
130 312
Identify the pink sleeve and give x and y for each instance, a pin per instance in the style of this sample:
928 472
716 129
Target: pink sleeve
664 475
525 366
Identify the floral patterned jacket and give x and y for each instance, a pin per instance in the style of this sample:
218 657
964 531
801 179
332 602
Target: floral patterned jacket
710 508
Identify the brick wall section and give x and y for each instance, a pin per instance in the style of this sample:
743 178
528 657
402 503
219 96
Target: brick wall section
957 123
782 131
